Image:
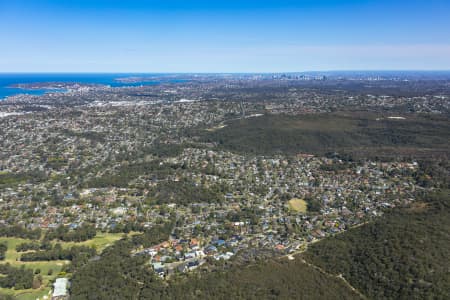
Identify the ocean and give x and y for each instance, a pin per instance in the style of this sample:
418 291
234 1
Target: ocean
8 79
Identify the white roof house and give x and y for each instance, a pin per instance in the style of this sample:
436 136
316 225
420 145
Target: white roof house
60 287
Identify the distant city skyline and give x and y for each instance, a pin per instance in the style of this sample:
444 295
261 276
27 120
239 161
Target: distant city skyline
223 36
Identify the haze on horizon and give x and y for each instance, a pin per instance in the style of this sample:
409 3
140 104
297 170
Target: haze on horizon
223 36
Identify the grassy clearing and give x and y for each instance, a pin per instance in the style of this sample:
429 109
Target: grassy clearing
298 205
99 242
11 254
35 294
12 257
28 294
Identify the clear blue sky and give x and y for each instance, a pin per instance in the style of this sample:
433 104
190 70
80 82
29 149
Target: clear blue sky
223 36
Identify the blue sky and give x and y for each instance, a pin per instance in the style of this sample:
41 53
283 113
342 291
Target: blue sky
223 36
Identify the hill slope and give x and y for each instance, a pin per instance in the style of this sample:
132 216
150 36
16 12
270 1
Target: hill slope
403 255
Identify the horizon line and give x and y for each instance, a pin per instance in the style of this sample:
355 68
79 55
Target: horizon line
222 72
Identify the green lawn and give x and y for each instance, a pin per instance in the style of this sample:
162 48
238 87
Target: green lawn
28 294
99 242
11 253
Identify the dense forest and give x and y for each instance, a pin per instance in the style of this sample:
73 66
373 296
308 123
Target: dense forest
20 232
272 279
19 278
58 253
34 245
116 274
362 135
126 277
63 233
128 172
403 255
3 249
